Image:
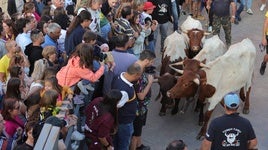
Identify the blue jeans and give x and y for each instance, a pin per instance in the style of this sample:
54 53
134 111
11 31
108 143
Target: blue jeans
105 31
240 8
175 15
248 4
123 136
162 28
150 46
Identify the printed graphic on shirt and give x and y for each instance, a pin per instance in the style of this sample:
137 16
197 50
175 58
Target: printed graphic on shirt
231 137
162 8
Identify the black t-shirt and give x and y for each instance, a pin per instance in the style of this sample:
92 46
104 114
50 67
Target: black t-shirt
162 12
221 8
24 146
230 132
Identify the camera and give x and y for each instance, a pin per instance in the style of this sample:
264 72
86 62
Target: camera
150 70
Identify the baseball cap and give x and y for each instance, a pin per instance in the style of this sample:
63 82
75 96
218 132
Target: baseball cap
148 6
231 100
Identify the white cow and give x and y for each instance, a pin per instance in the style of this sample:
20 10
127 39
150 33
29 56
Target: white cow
190 23
212 48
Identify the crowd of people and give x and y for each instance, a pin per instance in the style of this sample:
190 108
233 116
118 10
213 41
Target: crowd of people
98 54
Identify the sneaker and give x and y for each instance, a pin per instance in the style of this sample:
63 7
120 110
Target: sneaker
262 7
77 136
143 147
239 18
74 145
82 88
262 69
250 12
236 22
210 29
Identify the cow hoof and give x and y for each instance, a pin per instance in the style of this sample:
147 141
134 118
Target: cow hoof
201 123
162 114
174 112
245 111
200 137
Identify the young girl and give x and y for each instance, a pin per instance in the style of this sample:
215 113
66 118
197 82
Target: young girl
29 10
52 83
48 104
80 66
143 32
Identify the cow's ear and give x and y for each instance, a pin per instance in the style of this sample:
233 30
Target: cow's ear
206 91
210 90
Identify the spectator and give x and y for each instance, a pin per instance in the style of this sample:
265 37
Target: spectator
93 6
12 49
264 43
107 6
177 145
11 113
76 30
34 49
50 55
23 26
127 106
53 34
30 10
29 143
48 104
14 6
162 14
80 66
9 30
3 50
221 17
56 4
230 131
146 15
101 118
143 32
7 143
143 92
121 45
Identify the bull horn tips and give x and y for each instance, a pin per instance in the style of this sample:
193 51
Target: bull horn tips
196 81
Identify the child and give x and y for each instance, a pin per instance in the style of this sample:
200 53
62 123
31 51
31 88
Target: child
52 83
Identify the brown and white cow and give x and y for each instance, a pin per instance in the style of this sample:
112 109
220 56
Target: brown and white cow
230 72
178 47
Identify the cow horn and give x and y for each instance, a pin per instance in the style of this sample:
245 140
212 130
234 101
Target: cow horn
203 65
178 63
196 81
175 69
207 33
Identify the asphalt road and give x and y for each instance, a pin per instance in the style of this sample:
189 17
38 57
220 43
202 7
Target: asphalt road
159 131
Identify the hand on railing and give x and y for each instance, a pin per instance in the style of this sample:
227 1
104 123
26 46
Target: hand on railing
72 120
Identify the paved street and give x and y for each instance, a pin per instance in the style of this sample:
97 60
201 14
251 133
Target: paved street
159 131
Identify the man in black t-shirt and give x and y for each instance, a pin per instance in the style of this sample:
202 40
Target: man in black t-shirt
230 131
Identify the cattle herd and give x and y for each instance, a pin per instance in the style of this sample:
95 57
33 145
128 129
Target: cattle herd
202 69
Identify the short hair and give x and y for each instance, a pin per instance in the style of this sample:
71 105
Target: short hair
48 50
89 36
147 54
121 40
134 69
126 11
21 23
176 145
49 98
52 27
28 6
35 33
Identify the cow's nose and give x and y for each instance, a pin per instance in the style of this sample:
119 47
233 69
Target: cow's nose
195 48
